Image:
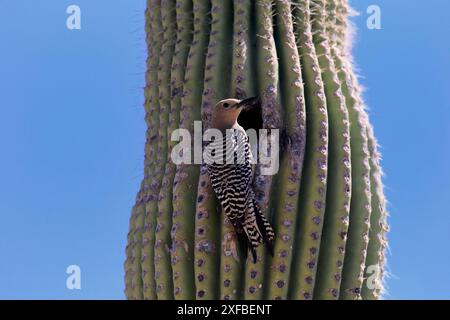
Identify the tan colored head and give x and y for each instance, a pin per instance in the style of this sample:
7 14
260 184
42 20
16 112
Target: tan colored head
226 112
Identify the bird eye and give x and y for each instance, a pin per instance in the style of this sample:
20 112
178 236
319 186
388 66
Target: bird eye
226 105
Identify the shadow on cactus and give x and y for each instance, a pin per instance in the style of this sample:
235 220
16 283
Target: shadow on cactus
326 202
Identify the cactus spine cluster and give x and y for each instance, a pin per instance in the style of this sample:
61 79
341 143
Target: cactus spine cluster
326 202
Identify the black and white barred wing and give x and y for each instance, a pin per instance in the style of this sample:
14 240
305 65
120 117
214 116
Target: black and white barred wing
230 169
228 161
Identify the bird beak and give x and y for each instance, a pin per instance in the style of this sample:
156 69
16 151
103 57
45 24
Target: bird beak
248 103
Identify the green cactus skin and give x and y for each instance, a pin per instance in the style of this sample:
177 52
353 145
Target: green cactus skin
378 219
129 262
163 267
292 97
128 251
164 29
138 225
268 89
186 178
242 85
360 207
378 223
155 217
216 87
313 188
152 119
243 74
326 202
331 255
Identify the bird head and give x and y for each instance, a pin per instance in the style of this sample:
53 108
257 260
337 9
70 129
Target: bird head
226 112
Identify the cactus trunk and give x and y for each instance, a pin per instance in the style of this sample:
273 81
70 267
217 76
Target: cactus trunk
326 202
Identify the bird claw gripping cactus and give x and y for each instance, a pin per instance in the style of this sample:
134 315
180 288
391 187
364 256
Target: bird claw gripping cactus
326 202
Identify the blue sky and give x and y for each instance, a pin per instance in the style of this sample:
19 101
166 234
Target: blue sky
72 135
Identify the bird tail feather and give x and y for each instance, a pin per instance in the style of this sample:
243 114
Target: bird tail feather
259 231
266 229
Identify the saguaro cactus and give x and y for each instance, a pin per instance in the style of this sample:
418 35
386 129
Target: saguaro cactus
326 202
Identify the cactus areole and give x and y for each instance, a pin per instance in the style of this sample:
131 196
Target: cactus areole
325 203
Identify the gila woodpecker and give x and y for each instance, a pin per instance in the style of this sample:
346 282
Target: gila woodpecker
229 164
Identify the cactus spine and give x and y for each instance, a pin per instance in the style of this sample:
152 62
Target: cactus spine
326 202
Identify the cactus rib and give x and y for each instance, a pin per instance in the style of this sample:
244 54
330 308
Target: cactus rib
293 140
242 85
360 206
216 87
153 122
129 260
334 233
163 268
314 182
268 90
186 176
137 279
378 226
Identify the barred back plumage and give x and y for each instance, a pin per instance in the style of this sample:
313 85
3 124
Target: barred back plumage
229 163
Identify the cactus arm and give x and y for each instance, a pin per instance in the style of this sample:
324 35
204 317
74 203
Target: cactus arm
216 87
314 185
332 251
163 268
268 89
186 176
292 97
